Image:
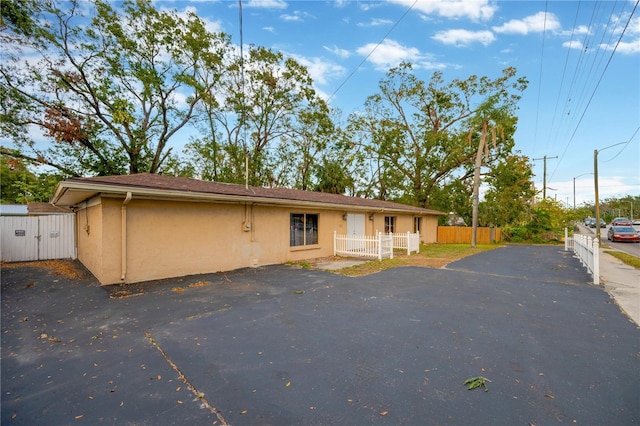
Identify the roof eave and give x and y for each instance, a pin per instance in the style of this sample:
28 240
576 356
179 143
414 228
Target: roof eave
72 193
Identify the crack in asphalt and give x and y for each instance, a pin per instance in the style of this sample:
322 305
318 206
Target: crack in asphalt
187 382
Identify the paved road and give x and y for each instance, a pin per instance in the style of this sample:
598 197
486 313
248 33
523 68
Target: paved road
631 248
282 346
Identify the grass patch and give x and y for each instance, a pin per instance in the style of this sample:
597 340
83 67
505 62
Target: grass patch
431 255
627 258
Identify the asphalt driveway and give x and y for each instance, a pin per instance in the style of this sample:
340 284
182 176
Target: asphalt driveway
281 346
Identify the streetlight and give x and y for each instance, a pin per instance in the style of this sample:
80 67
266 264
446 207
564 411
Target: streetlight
595 180
574 188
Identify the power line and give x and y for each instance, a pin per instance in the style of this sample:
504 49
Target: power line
372 50
544 33
625 145
596 88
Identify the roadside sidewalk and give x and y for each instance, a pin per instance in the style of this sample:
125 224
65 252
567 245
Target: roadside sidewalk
622 282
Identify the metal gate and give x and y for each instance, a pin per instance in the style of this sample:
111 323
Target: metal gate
26 238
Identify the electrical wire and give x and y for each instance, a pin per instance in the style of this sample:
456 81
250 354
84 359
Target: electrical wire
544 33
372 50
622 149
595 89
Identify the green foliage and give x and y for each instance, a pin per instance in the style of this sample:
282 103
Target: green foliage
610 208
510 192
545 223
114 83
416 136
477 382
276 120
105 90
20 185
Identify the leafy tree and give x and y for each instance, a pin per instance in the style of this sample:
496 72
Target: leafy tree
510 193
110 91
265 110
417 136
454 196
20 185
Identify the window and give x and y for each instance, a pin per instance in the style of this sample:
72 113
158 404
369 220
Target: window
389 224
417 224
303 229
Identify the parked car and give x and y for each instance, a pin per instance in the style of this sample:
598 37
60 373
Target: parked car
620 221
635 222
623 233
592 223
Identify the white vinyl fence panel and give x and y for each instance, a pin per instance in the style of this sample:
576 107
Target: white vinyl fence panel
26 238
409 242
376 247
587 249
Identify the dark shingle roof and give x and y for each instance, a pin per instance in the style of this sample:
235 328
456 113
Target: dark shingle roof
195 186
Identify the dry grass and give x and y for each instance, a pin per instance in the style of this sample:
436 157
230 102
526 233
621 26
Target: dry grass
431 256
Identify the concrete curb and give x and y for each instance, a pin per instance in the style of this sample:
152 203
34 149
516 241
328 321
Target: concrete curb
622 282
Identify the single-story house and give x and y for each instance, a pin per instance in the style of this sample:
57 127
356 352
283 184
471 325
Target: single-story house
142 227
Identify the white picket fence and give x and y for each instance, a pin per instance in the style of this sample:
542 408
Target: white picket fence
376 247
587 249
379 246
409 242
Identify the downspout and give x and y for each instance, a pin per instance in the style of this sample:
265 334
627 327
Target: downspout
123 236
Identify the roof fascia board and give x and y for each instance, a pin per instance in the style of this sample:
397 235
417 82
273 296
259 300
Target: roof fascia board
106 190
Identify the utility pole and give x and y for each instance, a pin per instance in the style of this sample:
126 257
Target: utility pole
595 180
544 178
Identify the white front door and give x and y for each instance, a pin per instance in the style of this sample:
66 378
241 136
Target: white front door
355 226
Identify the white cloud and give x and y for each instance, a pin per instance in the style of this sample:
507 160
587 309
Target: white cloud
266 4
537 23
320 70
476 10
573 44
608 187
211 26
577 31
342 53
464 37
624 47
297 16
375 23
391 53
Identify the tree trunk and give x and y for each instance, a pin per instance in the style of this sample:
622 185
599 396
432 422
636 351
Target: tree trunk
476 183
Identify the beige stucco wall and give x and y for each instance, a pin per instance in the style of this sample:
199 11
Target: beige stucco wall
429 229
175 238
89 238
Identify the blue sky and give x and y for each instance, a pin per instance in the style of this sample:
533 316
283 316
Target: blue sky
582 94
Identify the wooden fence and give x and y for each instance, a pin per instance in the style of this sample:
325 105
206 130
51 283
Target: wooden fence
462 234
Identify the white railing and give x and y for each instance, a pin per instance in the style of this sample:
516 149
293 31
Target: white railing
587 249
568 241
409 242
377 247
